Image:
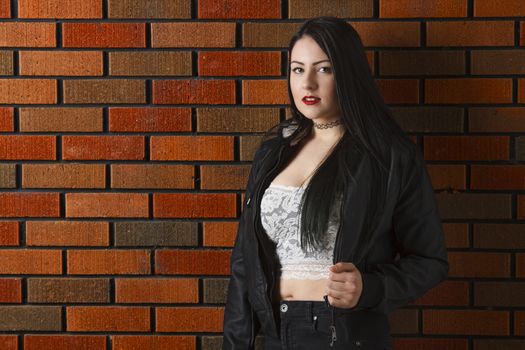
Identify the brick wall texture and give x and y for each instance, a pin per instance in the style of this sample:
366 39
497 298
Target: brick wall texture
127 130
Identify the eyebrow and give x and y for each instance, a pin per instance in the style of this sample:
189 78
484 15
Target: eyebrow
313 63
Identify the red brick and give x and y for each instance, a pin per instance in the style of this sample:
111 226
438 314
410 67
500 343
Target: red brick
67 233
519 323
27 204
192 34
466 147
9 233
61 119
10 291
521 84
448 293
193 91
189 319
103 147
9 342
29 261
121 205
63 176
430 344
468 90
191 148
219 234
104 35
494 119
192 262
521 207
108 318
497 177
22 147
64 342
124 119
399 90
154 342
5 12
239 9
467 322
157 290
59 9
27 34
72 63
448 176
522 32
470 33
456 235
6 119
169 176
388 33
273 92
507 8
194 205
425 9
239 63
108 262
520 265
479 264
22 91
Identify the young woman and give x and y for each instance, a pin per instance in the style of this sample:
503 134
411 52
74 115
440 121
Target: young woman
340 223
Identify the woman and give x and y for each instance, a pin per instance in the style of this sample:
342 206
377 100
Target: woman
339 224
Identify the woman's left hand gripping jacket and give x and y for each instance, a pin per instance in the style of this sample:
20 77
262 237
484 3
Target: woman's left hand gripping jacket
240 323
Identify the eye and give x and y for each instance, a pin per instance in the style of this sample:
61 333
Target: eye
327 69
294 69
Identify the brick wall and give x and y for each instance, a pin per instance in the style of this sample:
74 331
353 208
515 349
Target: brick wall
127 128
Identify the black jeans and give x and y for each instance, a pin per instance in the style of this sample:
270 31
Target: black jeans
307 325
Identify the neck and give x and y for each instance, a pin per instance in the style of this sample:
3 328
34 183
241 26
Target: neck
328 135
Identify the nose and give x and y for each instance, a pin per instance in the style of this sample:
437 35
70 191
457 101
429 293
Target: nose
309 82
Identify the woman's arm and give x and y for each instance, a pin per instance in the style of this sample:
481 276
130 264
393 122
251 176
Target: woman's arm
423 261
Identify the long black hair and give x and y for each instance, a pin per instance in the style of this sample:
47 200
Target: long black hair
369 124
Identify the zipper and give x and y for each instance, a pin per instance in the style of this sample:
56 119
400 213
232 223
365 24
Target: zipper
337 246
333 334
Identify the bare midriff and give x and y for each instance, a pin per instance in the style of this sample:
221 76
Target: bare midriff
303 289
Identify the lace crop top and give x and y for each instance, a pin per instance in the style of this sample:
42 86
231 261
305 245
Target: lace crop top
281 219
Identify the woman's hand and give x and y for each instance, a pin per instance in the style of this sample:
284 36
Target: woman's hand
344 285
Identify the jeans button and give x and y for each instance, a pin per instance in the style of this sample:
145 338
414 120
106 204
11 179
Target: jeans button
284 308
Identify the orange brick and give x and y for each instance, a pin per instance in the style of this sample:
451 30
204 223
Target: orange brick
447 176
456 235
472 322
420 343
194 205
67 233
399 90
108 262
108 318
427 8
193 34
103 147
479 264
193 92
59 9
466 147
265 92
6 119
5 12
26 204
104 35
29 261
388 33
237 9
124 119
27 34
507 8
153 342
10 291
219 234
22 91
157 290
239 63
22 147
497 177
61 119
189 319
60 63
468 90
191 148
152 176
470 33
64 342
520 262
448 293
63 176
192 262
9 233
494 119
8 342
121 205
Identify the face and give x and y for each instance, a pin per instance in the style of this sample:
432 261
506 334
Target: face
311 75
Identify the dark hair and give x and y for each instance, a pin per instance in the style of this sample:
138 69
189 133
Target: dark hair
369 126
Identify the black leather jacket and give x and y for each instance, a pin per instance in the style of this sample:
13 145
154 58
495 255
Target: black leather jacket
406 255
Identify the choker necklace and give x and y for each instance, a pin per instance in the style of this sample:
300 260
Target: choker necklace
327 125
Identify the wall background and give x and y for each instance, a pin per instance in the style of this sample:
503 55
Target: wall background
127 130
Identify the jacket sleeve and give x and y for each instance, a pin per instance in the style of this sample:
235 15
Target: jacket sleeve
423 261
240 325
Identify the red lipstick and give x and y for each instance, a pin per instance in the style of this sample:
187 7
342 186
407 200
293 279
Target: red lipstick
310 100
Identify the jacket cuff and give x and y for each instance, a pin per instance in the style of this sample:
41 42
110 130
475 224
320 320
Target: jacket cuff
373 291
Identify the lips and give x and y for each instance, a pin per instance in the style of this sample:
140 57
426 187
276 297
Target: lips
310 100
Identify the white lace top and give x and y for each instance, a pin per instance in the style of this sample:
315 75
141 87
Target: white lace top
280 217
